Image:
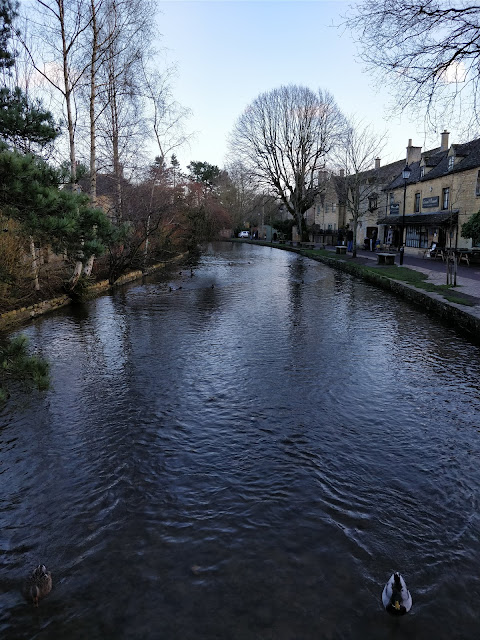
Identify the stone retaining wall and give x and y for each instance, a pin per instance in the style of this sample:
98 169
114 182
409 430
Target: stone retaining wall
10 319
450 312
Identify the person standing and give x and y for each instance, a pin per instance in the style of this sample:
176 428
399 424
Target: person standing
350 240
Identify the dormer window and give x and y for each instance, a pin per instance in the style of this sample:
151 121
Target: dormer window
451 162
422 172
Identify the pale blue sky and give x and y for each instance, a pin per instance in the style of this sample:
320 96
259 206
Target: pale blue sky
229 51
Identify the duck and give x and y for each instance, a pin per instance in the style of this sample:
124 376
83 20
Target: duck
396 597
37 585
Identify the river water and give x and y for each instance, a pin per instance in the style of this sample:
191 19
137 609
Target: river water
249 456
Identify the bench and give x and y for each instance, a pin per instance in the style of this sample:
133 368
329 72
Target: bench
307 245
385 258
463 254
341 249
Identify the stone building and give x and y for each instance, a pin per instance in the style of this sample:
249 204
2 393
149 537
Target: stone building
441 193
373 200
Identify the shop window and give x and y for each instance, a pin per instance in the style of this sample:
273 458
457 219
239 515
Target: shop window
445 198
416 237
417 203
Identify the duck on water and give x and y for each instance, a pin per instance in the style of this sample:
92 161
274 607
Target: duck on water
396 597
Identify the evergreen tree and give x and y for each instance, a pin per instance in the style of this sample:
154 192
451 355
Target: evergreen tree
30 194
471 228
8 12
17 364
24 124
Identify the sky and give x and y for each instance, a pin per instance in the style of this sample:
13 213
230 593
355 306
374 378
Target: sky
227 52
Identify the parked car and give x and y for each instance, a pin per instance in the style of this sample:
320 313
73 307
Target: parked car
244 234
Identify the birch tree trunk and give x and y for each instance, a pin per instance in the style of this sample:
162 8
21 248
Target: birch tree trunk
87 269
34 265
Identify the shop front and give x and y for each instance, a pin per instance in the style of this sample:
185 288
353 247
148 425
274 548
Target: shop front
421 229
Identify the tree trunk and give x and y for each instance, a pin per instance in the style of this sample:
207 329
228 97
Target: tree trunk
354 223
87 269
34 265
77 272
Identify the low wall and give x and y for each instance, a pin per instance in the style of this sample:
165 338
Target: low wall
432 302
10 319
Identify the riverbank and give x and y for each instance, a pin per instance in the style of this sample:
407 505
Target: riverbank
16 317
420 281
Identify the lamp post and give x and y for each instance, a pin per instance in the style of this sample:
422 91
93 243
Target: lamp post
405 175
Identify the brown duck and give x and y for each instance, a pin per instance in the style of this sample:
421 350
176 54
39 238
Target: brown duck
37 585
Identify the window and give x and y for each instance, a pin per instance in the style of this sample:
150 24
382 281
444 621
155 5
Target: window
416 236
451 162
392 198
477 188
417 203
422 172
445 197
372 202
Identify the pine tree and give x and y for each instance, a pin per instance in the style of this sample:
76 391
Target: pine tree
17 364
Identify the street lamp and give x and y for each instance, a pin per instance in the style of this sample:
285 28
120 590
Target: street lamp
405 175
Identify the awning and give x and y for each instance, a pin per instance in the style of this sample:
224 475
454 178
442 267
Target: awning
434 218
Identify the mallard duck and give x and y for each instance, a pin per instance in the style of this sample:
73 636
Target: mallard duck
396 597
38 584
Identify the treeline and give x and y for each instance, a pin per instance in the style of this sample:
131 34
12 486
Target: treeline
91 185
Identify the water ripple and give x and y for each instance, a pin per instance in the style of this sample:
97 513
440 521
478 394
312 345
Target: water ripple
248 460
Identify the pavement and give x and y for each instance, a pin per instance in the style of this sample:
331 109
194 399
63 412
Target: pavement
468 276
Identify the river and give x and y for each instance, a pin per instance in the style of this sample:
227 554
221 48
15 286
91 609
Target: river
245 452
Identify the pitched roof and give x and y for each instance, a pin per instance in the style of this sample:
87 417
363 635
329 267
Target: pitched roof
437 159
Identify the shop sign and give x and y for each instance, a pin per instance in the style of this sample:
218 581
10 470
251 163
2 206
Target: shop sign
429 203
394 209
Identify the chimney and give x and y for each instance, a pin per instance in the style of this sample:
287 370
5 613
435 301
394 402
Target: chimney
414 154
342 173
444 142
377 163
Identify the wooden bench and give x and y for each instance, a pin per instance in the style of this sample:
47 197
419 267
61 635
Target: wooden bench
463 254
385 258
341 249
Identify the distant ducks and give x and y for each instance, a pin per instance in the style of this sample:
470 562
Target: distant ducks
37 585
395 596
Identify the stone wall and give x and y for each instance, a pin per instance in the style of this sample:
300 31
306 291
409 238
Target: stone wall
20 316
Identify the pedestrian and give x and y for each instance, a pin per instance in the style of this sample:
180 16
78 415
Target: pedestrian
350 240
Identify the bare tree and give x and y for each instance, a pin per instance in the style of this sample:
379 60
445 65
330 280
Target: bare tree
166 116
283 138
59 27
430 51
356 156
122 122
